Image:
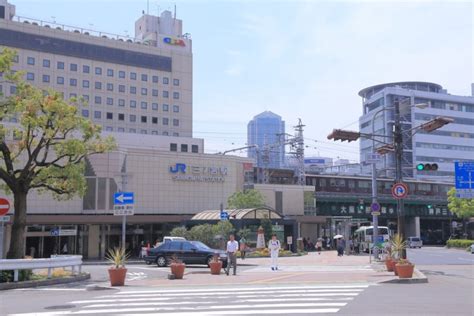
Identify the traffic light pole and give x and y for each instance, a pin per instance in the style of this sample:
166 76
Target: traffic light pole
398 144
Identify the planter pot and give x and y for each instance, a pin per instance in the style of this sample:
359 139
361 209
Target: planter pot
117 276
178 270
395 267
215 267
389 263
405 271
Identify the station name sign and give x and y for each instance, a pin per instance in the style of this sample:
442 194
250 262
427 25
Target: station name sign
174 41
183 172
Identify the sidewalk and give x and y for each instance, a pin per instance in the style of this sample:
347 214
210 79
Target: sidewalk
326 268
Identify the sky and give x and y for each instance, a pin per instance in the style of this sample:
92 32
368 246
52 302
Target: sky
298 59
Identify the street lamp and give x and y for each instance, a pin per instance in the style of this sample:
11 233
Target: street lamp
396 147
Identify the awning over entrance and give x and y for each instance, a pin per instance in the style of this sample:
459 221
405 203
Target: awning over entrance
248 213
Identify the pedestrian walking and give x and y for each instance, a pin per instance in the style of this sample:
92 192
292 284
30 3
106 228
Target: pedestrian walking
305 244
274 247
64 251
232 247
351 246
319 245
340 245
243 247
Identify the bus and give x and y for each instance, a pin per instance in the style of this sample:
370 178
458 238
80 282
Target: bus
362 237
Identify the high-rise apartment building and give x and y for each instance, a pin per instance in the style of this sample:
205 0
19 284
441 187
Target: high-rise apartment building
140 84
266 131
419 102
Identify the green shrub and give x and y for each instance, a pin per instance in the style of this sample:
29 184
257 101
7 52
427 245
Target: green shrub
7 275
459 243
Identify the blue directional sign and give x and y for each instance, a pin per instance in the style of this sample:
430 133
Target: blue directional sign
464 172
123 198
224 216
55 232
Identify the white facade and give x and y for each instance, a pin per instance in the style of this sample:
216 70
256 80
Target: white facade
132 85
450 143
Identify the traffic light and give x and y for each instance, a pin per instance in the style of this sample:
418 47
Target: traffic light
429 206
427 167
342 135
361 205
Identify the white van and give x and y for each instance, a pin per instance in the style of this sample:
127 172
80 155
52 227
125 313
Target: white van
414 242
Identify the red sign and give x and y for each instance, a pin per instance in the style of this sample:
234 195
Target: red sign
399 190
4 206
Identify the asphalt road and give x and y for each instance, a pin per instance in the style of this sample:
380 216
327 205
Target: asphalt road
439 256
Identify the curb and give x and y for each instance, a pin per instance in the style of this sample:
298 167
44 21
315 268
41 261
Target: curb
29 284
418 277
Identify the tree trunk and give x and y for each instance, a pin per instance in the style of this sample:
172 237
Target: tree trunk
18 240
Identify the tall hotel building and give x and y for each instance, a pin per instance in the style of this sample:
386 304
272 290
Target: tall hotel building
444 146
140 84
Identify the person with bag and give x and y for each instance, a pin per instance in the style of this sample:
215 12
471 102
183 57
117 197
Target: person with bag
274 247
232 247
319 245
243 247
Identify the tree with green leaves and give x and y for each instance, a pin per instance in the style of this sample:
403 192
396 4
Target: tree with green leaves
179 231
44 149
247 199
463 208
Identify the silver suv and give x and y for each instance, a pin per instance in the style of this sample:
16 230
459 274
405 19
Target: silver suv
414 242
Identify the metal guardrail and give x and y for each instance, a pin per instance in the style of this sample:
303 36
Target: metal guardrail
75 262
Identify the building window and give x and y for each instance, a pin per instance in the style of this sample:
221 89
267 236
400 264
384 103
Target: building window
121 117
98 71
154 92
73 82
175 134
45 78
121 130
133 75
155 79
110 72
46 63
121 74
165 94
132 130
176 95
16 59
144 91
97 114
86 69
175 122
30 76
144 105
85 113
85 83
109 129
143 119
144 77
110 101
154 132
165 107
184 148
166 80
133 103
60 65
154 120
175 82
110 87
194 148
165 121
85 97
143 131
110 115
30 61
72 95
133 118
173 146
121 102
97 100
154 106
60 80
133 90
121 88
12 91
73 67
165 133
98 85
175 108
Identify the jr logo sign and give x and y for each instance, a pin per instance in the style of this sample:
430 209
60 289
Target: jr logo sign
179 167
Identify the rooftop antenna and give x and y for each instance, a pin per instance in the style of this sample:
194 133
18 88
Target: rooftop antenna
147 7
175 11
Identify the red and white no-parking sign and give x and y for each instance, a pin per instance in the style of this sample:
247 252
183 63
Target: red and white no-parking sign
399 190
4 206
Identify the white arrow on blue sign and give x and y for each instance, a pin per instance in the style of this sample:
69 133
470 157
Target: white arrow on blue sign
224 215
123 198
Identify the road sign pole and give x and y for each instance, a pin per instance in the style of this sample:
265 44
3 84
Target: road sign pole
1 240
124 217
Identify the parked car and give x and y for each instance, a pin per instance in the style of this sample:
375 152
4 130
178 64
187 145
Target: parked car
415 242
190 252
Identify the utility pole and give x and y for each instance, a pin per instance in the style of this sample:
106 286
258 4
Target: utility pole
300 152
124 217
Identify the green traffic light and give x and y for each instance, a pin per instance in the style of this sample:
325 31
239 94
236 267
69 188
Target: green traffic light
420 167
430 206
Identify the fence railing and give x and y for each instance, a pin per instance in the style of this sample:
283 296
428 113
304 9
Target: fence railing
73 261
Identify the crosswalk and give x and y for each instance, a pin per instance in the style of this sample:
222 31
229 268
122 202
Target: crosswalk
242 300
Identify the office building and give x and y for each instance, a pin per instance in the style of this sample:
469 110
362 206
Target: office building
266 131
420 102
140 84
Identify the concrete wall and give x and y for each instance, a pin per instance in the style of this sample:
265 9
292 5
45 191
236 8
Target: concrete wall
292 196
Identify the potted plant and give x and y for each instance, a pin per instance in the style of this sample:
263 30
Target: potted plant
215 264
404 269
118 272
177 267
389 261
